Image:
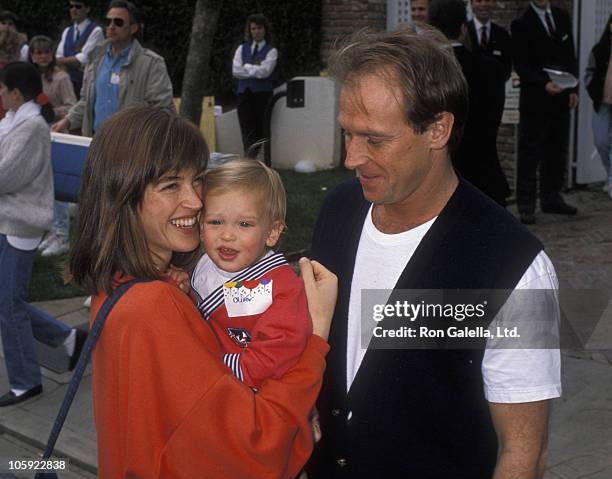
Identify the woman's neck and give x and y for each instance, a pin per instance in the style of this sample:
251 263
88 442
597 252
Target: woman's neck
18 104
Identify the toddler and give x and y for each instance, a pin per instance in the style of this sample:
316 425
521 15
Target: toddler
251 296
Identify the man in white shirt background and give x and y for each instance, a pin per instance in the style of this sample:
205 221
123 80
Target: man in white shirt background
77 42
254 65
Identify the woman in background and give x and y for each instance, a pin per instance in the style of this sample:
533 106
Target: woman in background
58 88
56 82
254 66
26 211
598 80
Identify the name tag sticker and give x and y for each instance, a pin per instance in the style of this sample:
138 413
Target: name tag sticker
115 78
247 298
497 53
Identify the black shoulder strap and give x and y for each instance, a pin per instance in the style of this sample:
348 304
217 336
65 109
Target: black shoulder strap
88 347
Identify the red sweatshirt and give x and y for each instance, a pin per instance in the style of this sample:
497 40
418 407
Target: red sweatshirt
166 407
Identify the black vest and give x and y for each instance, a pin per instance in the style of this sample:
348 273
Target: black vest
415 413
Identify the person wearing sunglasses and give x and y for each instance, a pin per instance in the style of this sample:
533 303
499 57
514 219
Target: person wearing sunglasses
77 42
120 73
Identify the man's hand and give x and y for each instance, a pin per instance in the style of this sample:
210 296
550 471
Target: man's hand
321 291
552 89
61 126
522 434
573 100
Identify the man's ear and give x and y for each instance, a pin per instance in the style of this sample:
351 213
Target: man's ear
134 27
274 235
440 131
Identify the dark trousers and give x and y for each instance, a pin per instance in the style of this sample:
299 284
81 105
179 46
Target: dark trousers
543 142
77 88
251 113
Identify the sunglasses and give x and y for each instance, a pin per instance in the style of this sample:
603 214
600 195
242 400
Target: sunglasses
118 22
76 6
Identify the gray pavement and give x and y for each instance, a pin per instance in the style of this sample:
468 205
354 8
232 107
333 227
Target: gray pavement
580 442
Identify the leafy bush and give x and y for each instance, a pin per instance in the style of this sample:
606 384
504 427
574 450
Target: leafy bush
296 26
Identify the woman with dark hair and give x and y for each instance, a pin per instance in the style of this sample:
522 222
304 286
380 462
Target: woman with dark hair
58 88
26 211
598 80
254 66
165 405
56 82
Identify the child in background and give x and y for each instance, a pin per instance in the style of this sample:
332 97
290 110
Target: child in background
251 296
58 88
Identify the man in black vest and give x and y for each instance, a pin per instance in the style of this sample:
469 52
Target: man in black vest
78 40
254 66
542 38
408 222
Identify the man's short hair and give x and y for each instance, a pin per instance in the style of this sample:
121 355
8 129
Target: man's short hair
130 7
8 15
421 66
447 16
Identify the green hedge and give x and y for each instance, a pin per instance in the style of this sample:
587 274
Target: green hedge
296 26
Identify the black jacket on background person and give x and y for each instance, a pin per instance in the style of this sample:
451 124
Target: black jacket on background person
499 52
476 157
544 123
534 49
499 47
597 68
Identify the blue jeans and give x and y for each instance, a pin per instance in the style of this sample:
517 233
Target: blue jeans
602 135
21 323
61 219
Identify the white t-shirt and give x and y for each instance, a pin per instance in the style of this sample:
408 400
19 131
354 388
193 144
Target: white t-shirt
510 375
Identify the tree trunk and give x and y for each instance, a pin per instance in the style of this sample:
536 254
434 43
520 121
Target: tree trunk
197 68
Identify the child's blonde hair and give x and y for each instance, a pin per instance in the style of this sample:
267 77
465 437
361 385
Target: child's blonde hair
252 176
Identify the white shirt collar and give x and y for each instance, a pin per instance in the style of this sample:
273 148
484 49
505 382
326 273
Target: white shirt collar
260 45
541 11
479 25
83 25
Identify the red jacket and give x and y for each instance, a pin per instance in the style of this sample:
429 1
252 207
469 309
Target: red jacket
166 407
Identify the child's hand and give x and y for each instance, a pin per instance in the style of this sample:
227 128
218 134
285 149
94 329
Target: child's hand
180 278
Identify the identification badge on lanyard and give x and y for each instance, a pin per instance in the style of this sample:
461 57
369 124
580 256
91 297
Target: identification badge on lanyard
115 78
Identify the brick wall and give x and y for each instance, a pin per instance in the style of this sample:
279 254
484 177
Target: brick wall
342 17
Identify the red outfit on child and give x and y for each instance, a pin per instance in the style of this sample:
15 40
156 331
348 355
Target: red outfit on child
260 316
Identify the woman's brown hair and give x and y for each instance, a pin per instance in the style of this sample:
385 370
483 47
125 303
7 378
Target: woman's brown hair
133 149
43 43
